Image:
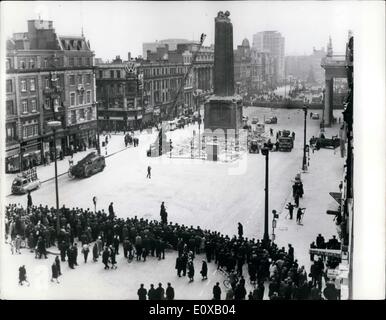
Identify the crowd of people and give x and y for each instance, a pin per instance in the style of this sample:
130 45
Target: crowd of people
141 238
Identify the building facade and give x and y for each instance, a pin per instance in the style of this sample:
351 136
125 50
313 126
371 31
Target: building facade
274 43
243 68
176 81
48 77
306 67
119 95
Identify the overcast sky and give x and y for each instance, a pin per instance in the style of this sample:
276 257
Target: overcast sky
114 28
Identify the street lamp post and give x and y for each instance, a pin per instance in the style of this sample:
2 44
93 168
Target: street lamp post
97 123
265 152
304 166
54 125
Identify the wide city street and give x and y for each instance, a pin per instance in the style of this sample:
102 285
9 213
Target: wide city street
213 195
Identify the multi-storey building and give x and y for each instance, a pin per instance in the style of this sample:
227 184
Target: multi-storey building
162 80
272 42
47 76
152 46
306 67
243 68
119 95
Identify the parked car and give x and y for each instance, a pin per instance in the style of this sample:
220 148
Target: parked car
315 116
271 120
23 184
255 120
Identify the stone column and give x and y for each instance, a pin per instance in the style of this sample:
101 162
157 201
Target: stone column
223 56
328 102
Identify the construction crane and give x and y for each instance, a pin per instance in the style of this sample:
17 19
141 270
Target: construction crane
174 105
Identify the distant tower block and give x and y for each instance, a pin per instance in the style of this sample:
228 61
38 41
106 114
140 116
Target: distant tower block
224 109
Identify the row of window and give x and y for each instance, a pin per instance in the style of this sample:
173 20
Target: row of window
30 84
81 115
163 71
81 100
79 61
113 74
30 130
28 106
31 63
80 78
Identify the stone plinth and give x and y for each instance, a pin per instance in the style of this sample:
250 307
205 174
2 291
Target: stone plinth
223 113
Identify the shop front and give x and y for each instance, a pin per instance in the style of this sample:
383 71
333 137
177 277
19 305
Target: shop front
31 153
12 159
82 136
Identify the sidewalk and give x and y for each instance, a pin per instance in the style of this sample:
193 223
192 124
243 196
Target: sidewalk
323 176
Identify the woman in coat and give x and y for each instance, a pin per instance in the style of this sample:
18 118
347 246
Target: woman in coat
95 253
55 273
191 271
204 270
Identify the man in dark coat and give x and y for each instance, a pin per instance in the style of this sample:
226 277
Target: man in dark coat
75 253
160 292
95 254
113 258
111 211
169 292
70 257
152 293
142 293
191 271
163 214
105 258
57 261
116 244
184 262
217 292
240 230
204 270
29 200
179 266
290 208
55 273
63 248
23 275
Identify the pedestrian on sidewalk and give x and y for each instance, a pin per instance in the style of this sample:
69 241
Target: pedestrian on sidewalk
111 211
113 258
204 270
57 261
105 258
217 292
299 215
23 275
85 251
169 292
142 293
55 273
148 172
95 254
29 201
191 271
240 230
290 208
17 244
163 213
